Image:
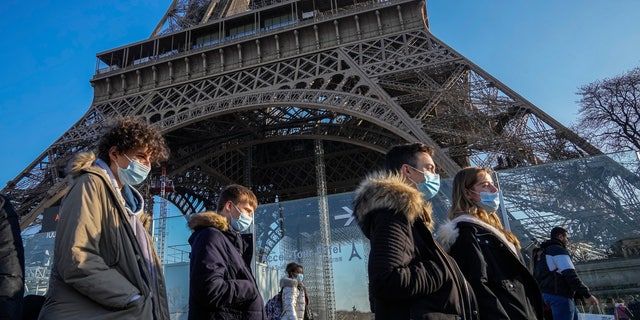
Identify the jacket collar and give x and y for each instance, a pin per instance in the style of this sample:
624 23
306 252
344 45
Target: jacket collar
382 190
552 242
207 219
79 163
288 282
87 163
448 232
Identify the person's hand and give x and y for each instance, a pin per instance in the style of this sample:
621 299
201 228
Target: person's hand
593 300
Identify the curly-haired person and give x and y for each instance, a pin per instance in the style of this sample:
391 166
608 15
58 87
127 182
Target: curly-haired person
105 265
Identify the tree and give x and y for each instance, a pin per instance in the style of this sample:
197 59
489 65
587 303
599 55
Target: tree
609 112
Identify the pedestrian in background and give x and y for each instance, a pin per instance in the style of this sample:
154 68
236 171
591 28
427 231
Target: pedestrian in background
294 294
221 284
560 283
622 312
104 263
488 255
634 307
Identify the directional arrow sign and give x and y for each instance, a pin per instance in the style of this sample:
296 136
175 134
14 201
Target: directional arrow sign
349 216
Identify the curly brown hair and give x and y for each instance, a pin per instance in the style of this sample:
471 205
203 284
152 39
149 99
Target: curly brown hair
131 133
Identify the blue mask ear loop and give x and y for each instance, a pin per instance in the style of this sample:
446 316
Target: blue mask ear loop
426 187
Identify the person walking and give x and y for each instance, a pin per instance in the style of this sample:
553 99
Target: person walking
621 311
487 254
294 294
104 263
558 279
634 307
410 276
221 285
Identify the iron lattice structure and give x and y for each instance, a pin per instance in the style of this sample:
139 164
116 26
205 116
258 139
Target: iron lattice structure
244 92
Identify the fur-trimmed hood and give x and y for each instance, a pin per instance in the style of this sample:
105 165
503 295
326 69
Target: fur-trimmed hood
448 232
382 190
288 282
207 219
84 162
78 163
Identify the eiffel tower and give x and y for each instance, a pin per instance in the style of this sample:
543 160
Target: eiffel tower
302 98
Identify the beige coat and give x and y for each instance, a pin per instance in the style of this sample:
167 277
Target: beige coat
97 267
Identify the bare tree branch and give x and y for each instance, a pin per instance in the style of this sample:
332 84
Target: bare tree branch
609 114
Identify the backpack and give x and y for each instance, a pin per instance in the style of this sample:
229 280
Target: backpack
274 307
539 267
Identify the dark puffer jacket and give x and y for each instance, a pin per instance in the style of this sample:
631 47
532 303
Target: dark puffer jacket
221 285
11 262
503 285
410 276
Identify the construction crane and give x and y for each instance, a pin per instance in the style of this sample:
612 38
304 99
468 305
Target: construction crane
162 186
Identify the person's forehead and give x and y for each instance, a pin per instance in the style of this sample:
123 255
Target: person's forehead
484 177
246 205
423 159
140 150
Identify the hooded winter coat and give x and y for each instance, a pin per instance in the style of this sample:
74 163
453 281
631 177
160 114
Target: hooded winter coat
410 276
97 266
221 285
503 285
11 262
293 299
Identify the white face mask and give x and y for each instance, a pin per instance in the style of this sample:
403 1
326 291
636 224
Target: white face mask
431 185
134 173
489 201
243 222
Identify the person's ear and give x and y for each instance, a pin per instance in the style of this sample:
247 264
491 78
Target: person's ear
113 153
228 206
405 171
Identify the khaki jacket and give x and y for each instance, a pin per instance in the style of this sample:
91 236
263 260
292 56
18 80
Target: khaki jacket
98 266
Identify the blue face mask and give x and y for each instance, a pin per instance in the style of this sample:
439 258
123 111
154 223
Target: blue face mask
134 173
242 223
431 185
300 277
489 201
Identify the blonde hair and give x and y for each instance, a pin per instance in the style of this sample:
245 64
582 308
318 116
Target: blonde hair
461 205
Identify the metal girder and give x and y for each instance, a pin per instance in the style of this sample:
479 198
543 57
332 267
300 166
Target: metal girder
596 196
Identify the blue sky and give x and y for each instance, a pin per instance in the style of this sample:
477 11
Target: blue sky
544 50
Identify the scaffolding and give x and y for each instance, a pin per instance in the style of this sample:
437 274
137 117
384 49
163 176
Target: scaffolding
161 188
